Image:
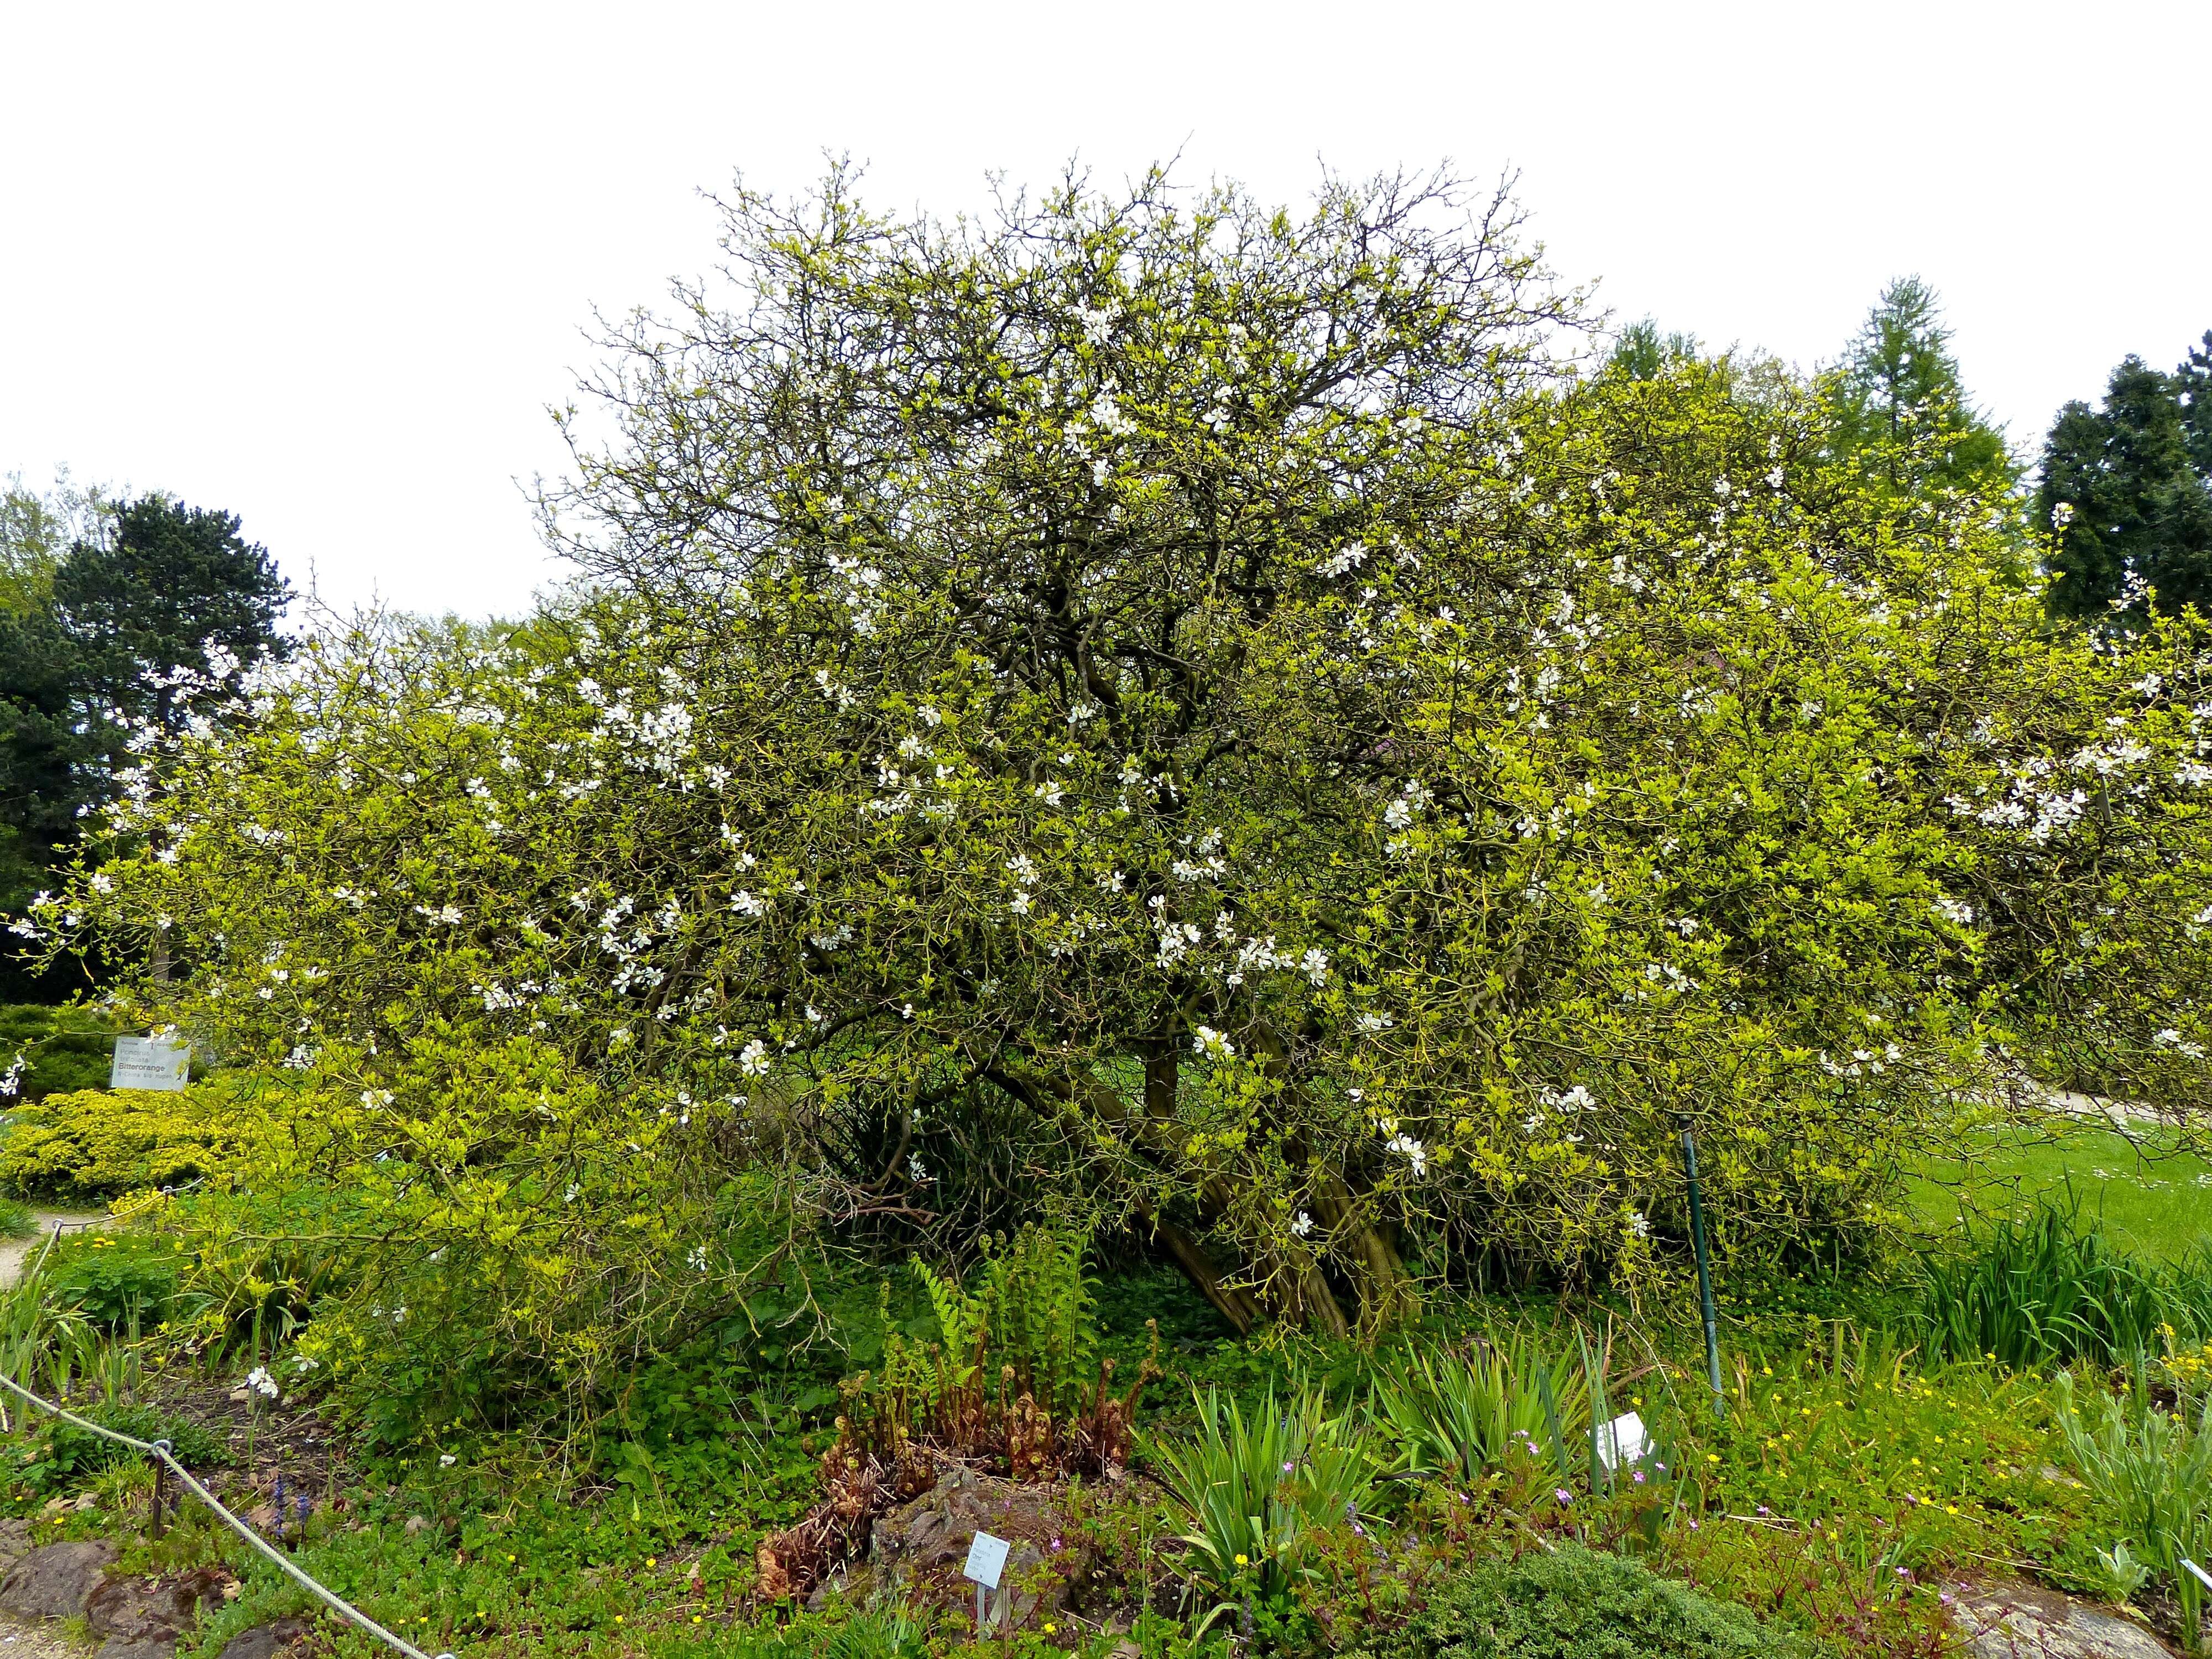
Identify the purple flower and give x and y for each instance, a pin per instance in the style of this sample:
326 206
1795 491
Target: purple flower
1563 1495
1693 1526
1638 1477
1944 1596
1905 1573
1763 1510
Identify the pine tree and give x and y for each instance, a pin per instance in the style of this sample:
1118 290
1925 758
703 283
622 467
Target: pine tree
2127 491
1898 404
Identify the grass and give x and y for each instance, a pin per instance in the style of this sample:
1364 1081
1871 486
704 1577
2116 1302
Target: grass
2154 1198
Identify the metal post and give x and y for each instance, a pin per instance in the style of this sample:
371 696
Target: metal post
1705 1273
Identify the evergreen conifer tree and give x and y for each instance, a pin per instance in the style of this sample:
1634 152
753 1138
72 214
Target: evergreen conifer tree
2127 491
1900 407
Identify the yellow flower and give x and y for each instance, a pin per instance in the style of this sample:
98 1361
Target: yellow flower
1052 1630
1243 1562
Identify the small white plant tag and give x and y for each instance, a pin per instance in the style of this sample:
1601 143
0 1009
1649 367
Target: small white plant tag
1621 1442
986 1559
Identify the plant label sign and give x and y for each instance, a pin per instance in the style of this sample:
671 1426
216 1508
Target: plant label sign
986 1559
1622 1441
149 1063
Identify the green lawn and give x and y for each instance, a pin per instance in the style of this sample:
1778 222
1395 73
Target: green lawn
2154 1199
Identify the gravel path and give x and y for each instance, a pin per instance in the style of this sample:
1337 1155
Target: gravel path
39 1639
13 1252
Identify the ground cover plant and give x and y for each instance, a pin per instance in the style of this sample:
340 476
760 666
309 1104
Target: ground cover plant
1110 915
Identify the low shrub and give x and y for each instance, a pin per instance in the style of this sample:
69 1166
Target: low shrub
64 1455
1570 1603
112 1281
97 1143
62 1050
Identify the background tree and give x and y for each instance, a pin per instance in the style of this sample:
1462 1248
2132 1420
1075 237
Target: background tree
101 626
1642 353
1898 406
2127 491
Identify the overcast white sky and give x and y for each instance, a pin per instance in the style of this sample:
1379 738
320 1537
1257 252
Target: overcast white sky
325 265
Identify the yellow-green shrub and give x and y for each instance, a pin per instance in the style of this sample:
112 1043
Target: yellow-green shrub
100 1142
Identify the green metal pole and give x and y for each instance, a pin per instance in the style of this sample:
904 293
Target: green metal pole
1704 1274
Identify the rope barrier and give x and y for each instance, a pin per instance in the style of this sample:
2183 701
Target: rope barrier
160 1450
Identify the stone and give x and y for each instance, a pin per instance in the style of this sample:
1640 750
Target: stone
266 1641
2019 1621
115 1647
14 1541
921 1545
55 1581
136 1610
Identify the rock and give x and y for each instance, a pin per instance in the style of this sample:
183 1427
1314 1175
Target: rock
135 1611
416 1523
55 1581
2017 1621
921 1545
14 1541
116 1648
265 1641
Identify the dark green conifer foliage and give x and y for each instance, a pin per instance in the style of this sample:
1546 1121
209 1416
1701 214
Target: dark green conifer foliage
170 581
1899 406
2128 494
144 593
1641 353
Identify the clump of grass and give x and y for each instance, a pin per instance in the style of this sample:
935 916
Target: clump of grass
1255 1488
2050 1290
16 1220
2152 1474
1456 1414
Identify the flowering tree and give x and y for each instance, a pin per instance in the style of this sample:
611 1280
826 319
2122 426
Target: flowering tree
1201 694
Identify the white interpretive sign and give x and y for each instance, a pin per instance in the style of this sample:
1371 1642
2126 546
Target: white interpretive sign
150 1063
986 1559
1621 1442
